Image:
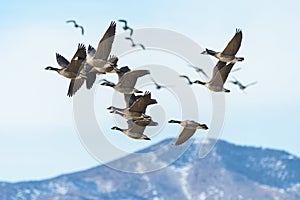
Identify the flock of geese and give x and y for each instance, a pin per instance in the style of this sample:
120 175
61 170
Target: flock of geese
86 64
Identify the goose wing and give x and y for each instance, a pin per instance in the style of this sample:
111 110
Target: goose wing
74 86
141 104
217 68
221 75
249 84
62 61
91 51
128 80
185 135
105 44
91 77
130 99
122 71
77 59
124 21
234 45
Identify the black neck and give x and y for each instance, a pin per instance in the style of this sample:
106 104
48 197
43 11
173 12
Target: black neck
175 121
199 82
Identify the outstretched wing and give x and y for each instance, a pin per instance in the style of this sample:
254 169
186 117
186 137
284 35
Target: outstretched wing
185 135
234 45
77 59
141 104
124 21
71 21
105 44
91 77
129 79
74 86
62 61
221 75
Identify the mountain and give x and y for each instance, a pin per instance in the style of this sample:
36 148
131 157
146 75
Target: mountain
228 172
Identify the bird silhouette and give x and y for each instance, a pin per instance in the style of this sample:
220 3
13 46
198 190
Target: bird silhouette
240 85
133 44
126 27
198 69
188 79
76 25
236 69
158 86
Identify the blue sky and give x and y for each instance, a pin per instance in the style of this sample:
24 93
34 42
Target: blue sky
38 137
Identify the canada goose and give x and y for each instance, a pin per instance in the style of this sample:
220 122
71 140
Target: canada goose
198 69
134 131
72 70
188 79
228 54
158 86
97 59
220 74
137 109
110 67
133 44
127 82
190 128
76 25
240 85
126 27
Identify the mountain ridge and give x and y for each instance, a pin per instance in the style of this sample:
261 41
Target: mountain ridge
228 172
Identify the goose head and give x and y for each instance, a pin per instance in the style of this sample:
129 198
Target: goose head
51 68
108 84
203 126
117 128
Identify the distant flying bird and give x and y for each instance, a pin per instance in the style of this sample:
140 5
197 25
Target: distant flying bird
228 54
198 69
158 86
76 25
188 79
72 70
135 44
190 128
220 74
126 27
236 69
240 85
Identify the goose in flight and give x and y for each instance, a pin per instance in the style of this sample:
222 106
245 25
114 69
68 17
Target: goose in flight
133 44
189 129
138 109
188 79
127 82
228 54
240 85
134 131
76 25
158 86
126 27
72 70
198 69
219 76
